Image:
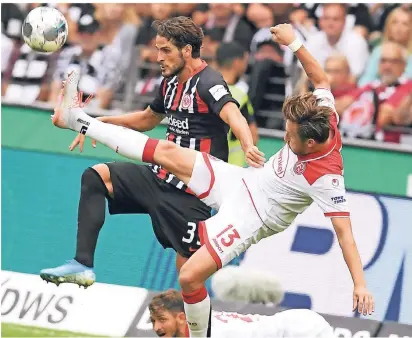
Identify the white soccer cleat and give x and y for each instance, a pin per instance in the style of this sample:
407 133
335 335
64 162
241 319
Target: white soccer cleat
65 114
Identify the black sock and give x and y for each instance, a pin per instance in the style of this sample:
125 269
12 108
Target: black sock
92 208
209 329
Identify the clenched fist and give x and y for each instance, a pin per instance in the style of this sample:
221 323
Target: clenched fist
283 34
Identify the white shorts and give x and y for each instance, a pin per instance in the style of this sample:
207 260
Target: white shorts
238 224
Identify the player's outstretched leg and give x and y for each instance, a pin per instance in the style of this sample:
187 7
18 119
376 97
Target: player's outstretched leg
91 215
192 277
129 143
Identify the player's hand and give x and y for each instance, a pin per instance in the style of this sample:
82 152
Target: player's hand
254 157
79 140
363 301
283 34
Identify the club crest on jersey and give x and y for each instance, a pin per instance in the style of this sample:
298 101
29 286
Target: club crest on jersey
335 182
299 168
186 101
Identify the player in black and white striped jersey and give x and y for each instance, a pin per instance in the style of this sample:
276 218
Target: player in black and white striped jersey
200 109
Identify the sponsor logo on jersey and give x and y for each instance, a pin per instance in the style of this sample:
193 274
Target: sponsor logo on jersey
218 92
280 163
338 199
179 126
217 245
299 168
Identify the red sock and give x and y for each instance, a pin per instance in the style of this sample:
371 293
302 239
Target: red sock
196 296
149 150
197 309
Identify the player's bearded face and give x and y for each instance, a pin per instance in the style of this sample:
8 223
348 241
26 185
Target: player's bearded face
169 57
174 65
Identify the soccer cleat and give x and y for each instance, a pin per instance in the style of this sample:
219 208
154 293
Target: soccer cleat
67 111
71 272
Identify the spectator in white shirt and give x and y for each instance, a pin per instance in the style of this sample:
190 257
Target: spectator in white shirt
333 38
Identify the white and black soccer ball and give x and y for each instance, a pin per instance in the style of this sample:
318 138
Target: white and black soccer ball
45 29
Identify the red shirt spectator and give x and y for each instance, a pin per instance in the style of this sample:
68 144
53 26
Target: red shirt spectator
366 109
369 108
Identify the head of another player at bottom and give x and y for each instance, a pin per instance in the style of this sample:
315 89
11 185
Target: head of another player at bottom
167 314
307 124
178 42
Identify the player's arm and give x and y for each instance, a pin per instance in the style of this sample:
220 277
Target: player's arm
141 120
329 194
255 133
362 299
249 114
231 114
215 93
284 34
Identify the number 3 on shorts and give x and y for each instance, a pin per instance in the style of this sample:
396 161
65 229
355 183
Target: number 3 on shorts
191 233
227 238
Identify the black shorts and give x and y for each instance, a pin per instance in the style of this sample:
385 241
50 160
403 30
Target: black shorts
175 214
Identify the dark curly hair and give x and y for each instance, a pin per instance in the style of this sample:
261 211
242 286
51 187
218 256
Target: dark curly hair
181 31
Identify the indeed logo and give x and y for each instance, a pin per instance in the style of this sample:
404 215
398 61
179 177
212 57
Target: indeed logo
181 124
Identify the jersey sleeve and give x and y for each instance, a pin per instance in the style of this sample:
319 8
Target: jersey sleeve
157 104
329 194
214 91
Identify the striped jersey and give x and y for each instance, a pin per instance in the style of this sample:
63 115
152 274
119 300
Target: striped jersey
193 109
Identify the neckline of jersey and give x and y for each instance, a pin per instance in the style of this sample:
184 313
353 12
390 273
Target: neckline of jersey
195 71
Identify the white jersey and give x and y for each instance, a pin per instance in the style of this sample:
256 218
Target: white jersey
289 183
257 203
289 323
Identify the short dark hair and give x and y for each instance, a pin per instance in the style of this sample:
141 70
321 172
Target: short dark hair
227 52
181 31
313 119
170 300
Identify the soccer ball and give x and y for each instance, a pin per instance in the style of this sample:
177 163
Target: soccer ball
45 29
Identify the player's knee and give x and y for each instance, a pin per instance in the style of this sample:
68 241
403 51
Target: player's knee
104 172
165 148
188 279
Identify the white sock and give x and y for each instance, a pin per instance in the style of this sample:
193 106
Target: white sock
197 316
126 142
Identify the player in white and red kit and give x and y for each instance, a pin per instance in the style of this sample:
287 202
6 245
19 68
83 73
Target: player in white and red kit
253 203
168 318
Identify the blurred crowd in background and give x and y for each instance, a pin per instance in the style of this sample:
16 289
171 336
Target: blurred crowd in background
366 50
